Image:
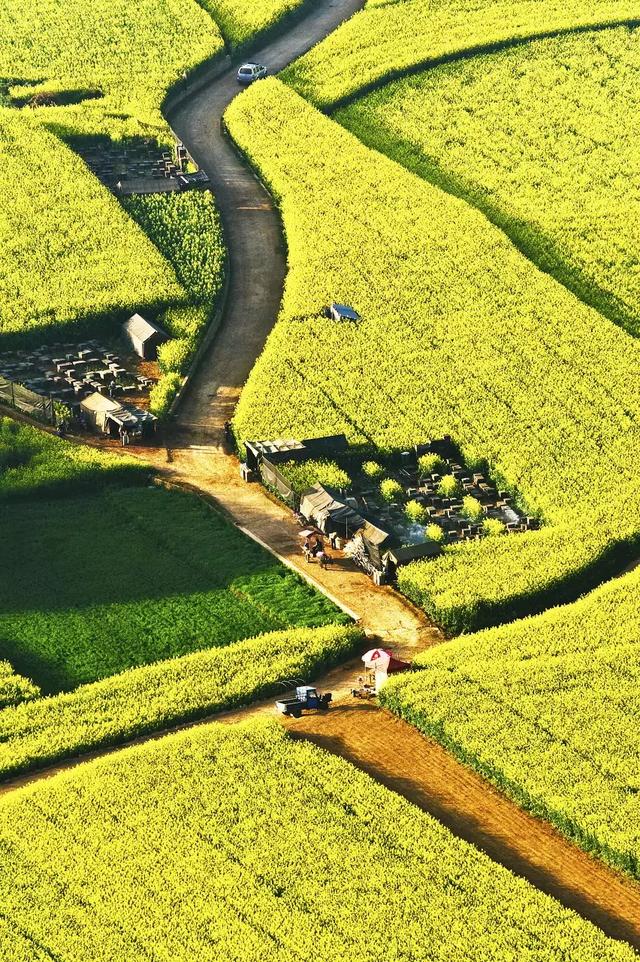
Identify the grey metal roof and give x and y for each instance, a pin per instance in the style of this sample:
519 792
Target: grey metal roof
140 327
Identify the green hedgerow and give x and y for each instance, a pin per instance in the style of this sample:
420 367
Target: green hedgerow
175 355
163 393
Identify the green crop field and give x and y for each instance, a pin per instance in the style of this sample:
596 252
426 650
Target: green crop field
461 335
36 465
463 173
541 138
91 586
255 847
561 690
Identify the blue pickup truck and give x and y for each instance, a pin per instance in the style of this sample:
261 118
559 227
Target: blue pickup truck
306 697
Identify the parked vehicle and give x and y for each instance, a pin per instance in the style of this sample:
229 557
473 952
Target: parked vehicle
249 72
305 698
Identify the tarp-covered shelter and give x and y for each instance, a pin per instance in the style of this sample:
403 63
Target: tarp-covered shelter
342 312
272 450
276 480
381 663
107 416
402 556
288 449
144 336
319 505
376 543
198 179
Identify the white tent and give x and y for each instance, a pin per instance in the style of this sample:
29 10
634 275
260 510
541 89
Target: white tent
108 415
99 409
383 663
377 659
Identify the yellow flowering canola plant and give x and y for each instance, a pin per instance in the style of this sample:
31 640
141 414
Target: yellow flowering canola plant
382 42
460 335
234 842
131 53
240 20
542 139
15 689
58 267
548 709
71 262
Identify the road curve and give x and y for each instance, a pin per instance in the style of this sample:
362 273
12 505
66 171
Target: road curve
257 256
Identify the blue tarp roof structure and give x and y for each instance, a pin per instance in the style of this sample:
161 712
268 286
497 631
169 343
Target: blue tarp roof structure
345 312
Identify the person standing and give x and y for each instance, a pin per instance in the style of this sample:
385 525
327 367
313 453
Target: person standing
307 550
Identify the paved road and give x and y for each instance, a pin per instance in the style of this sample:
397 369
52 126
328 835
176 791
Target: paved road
252 227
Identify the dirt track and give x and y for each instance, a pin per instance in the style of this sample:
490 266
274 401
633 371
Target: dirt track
257 257
398 756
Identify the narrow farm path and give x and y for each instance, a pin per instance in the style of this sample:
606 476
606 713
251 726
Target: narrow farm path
253 234
400 757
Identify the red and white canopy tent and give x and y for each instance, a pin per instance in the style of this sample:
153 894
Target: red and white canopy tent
383 663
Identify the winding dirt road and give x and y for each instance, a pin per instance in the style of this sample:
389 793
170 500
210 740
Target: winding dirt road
385 747
257 258
400 757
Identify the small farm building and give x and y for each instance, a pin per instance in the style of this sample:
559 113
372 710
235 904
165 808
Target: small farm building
108 416
376 542
342 312
144 336
328 513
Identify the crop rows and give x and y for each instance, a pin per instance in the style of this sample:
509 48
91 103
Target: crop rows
142 576
255 847
153 697
541 138
57 269
240 20
381 43
547 708
460 335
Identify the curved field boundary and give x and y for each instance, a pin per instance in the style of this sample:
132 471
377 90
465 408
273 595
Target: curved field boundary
419 769
533 242
385 43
